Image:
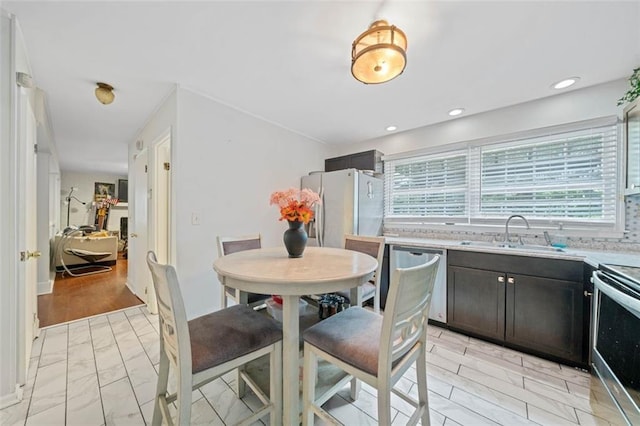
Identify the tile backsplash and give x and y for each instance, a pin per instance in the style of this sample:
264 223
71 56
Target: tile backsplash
629 243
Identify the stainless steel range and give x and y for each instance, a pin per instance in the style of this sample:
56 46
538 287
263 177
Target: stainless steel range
616 336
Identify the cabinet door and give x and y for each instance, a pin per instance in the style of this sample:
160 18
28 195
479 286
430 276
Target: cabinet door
363 160
337 163
545 315
475 301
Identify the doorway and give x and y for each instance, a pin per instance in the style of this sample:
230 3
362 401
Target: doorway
150 226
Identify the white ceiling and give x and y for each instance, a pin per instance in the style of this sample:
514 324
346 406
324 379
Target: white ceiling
289 62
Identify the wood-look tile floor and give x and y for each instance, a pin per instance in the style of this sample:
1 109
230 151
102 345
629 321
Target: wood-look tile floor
102 371
81 297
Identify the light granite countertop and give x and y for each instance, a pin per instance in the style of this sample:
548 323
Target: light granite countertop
591 257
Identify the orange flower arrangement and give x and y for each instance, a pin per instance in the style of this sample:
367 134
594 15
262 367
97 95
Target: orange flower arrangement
295 204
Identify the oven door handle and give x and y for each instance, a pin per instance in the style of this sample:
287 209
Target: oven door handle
630 303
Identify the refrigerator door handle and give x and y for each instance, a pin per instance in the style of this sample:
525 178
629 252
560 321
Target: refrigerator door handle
320 219
370 190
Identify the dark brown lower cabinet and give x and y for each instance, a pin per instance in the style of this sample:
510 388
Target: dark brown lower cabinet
545 315
476 301
532 304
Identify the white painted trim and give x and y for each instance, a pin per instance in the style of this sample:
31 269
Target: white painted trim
130 287
12 398
9 364
45 287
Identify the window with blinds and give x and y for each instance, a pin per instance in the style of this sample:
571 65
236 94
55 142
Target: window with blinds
568 177
433 186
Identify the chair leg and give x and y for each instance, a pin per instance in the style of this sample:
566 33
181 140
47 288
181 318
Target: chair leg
223 299
161 387
423 392
309 385
355 388
241 386
275 383
185 388
384 401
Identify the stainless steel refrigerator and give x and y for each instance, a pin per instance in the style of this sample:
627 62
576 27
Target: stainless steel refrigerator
352 203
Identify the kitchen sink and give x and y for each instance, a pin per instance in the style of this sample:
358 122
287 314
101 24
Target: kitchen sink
512 246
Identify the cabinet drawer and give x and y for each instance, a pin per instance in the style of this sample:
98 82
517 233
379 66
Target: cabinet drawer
560 269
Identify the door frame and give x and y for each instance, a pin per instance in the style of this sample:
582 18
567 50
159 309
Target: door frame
10 392
15 350
28 322
160 205
159 212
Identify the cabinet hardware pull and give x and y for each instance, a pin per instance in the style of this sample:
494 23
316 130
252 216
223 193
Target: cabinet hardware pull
511 280
501 279
587 294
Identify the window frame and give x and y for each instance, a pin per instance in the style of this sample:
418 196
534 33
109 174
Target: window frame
475 221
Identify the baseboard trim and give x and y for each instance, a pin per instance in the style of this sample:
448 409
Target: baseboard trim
12 398
45 287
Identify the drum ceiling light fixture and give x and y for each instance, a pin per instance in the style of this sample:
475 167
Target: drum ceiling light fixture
104 93
379 54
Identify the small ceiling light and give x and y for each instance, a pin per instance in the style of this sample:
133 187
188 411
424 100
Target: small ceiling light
379 54
456 111
391 128
104 93
566 83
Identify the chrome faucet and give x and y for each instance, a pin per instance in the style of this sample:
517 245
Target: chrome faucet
506 227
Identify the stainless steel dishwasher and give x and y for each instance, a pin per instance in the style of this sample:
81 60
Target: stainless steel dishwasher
407 256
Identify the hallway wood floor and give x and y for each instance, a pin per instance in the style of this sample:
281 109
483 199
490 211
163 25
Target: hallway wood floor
80 297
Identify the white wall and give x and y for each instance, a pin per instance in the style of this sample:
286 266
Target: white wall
225 164
576 105
83 215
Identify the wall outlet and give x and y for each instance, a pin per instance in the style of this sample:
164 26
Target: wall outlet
195 218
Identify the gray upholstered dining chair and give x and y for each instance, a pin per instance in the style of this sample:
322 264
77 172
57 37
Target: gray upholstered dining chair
202 349
373 246
229 245
377 349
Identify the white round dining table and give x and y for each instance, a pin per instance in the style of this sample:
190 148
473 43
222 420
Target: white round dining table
271 271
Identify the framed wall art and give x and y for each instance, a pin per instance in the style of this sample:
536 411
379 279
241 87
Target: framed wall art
103 191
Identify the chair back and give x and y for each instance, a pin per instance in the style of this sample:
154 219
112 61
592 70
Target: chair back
229 245
406 311
373 246
174 329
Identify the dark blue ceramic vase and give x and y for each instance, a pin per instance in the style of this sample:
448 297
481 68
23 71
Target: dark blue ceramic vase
295 239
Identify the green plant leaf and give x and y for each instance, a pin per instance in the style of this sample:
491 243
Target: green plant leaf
634 92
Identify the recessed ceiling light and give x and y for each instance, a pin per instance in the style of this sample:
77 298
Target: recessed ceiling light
456 111
391 128
566 83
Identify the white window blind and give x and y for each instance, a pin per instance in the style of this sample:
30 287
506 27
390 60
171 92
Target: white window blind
568 176
433 186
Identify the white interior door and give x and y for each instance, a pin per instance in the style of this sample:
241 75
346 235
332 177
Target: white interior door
138 234
28 324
